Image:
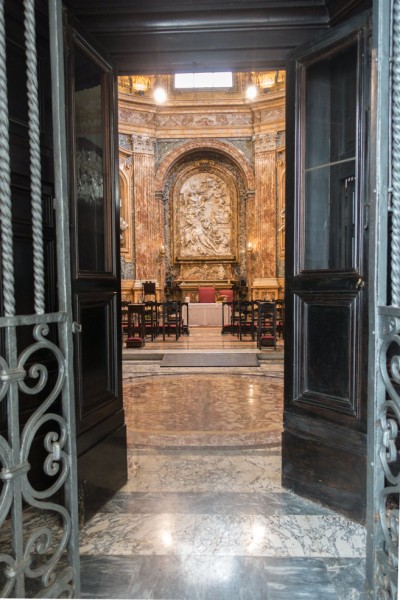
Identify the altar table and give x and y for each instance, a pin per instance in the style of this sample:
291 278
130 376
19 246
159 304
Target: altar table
205 314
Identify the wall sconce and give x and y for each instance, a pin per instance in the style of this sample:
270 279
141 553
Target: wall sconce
162 251
249 248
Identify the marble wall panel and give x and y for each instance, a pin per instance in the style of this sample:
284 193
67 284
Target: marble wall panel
264 245
148 219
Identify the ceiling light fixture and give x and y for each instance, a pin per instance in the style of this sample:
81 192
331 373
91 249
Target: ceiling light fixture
251 92
160 95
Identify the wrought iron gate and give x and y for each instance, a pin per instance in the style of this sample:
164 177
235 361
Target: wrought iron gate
384 370
39 544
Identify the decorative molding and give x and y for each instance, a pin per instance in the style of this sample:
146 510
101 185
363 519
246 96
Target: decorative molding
135 117
214 119
205 272
267 142
225 149
142 144
125 162
280 139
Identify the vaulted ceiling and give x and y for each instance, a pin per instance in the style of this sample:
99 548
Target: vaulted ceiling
156 36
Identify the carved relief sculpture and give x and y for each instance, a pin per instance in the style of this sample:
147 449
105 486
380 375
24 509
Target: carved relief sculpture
205 211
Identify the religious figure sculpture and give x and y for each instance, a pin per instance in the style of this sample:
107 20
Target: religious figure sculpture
204 216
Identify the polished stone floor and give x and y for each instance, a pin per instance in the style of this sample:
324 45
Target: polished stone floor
203 515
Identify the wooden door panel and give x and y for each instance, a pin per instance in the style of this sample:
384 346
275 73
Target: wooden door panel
327 330
324 440
95 274
319 467
97 387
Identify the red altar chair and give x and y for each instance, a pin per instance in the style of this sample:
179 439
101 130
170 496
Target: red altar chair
206 294
228 294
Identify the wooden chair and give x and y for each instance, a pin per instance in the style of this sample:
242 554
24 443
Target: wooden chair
149 289
280 316
124 318
152 318
246 319
266 325
171 319
136 326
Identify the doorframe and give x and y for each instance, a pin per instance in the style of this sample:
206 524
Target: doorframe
384 300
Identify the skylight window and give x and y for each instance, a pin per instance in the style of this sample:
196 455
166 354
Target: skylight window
191 81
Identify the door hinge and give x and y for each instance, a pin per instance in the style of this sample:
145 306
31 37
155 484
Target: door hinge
76 327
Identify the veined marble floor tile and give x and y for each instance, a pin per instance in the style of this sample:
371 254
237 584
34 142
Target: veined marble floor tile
138 534
277 536
348 577
206 578
213 503
295 536
223 408
248 472
213 522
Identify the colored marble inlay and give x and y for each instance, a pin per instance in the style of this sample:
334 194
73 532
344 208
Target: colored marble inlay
214 406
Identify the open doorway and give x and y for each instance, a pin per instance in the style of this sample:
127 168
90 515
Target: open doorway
202 181
173 471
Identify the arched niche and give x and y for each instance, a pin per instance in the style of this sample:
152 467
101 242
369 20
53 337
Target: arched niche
182 152
205 229
204 214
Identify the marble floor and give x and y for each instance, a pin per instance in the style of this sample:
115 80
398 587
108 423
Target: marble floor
203 515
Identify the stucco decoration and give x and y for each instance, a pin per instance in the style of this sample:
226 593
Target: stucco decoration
142 118
206 271
205 214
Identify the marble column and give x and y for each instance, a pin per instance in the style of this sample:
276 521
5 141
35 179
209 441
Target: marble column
263 231
148 210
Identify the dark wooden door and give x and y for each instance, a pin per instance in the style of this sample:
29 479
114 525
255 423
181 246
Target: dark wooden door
101 434
324 439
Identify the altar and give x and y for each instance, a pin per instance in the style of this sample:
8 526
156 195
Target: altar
205 315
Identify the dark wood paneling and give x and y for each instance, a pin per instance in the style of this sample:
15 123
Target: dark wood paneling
102 470
327 338
97 385
326 328
325 472
101 439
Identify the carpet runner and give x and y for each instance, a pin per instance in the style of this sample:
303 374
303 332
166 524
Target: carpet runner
210 359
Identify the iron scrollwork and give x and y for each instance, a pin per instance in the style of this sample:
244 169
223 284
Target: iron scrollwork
388 420
46 529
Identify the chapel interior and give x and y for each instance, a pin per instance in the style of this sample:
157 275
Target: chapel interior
202 186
